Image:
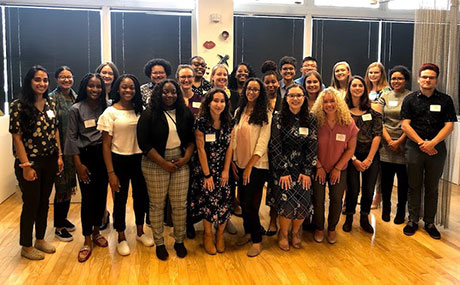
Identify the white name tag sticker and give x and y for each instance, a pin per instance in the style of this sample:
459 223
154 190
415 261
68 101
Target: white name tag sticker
50 114
90 123
340 137
303 131
393 103
210 138
196 105
435 108
367 117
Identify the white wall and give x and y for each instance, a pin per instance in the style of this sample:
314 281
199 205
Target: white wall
7 178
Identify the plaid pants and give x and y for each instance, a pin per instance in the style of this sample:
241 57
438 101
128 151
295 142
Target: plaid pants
161 183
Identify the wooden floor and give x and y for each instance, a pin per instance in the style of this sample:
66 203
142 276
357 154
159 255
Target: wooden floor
387 257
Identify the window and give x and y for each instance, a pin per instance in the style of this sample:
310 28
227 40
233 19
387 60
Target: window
426 4
347 3
297 2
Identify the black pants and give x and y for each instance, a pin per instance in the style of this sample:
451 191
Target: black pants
61 209
388 173
93 194
424 170
250 198
368 177
35 197
128 167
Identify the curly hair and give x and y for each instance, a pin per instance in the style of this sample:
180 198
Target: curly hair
382 83
334 82
83 93
401 69
137 99
343 113
286 115
233 82
364 102
259 114
157 61
269 67
205 111
156 103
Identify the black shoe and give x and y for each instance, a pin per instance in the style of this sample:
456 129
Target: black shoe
180 249
191 233
69 226
410 228
385 216
63 235
364 222
399 219
348 223
161 252
107 222
432 231
270 233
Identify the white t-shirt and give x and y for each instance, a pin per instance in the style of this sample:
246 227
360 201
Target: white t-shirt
173 137
122 126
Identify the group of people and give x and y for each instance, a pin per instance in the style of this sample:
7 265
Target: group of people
201 151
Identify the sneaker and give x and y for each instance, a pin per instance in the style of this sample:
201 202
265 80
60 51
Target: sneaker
44 246
180 249
319 236
63 235
33 254
123 248
69 226
410 228
161 252
331 237
432 231
145 240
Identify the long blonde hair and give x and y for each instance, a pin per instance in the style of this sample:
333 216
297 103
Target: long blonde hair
382 83
342 113
334 82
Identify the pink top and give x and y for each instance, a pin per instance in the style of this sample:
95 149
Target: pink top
333 142
243 140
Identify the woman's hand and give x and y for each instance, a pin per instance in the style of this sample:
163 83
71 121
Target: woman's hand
335 176
180 162
209 184
224 178
29 173
168 166
285 182
234 170
320 175
60 163
366 163
114 182
83 173
247 175
358 164
306 181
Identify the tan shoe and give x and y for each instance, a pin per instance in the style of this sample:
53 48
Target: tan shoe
319 236
296 239
244 239
220 242
208 244
33 254
255 250
44 246
331 237
283 242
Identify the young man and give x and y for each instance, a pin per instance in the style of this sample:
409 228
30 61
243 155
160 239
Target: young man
428 118
287 70
309 63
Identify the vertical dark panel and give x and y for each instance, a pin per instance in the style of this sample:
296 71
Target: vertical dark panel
63 37
397 44
353 41
2 66
260 38
139 37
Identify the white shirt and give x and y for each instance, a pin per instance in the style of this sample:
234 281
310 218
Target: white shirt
173 137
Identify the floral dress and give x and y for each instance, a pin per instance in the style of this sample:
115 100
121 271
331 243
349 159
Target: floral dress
293 151
213 206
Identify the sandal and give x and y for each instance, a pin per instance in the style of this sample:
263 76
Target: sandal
84 253
271 233
100 241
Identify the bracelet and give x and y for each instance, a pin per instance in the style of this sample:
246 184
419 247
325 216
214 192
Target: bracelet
207 176
110 172
26 164
60 154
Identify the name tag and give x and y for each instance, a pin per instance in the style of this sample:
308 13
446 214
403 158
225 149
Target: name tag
340 137
210 138
90 123
393 103
303 131
50 114
372 96
367 117
435 108
196 105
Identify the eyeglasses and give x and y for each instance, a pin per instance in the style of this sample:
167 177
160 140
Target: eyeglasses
428 77
296 96
64 77
254 90
185 76
197 64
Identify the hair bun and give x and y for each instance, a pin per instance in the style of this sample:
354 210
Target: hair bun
268 65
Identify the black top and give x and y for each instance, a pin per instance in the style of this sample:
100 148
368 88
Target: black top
428 114
153 130
370 126
234 101
203 88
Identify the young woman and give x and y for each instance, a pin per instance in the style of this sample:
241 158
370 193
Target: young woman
184 76
250 141
313 84
239 75
213 140
156 70
165 136
292 152
66 183
376 81
364 165
200 85
337 133
392 151
84 143
271 83
109 73
341 74
122 157
37 148
219 79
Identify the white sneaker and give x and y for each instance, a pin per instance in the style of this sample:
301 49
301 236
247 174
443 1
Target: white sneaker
145 240
123 248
